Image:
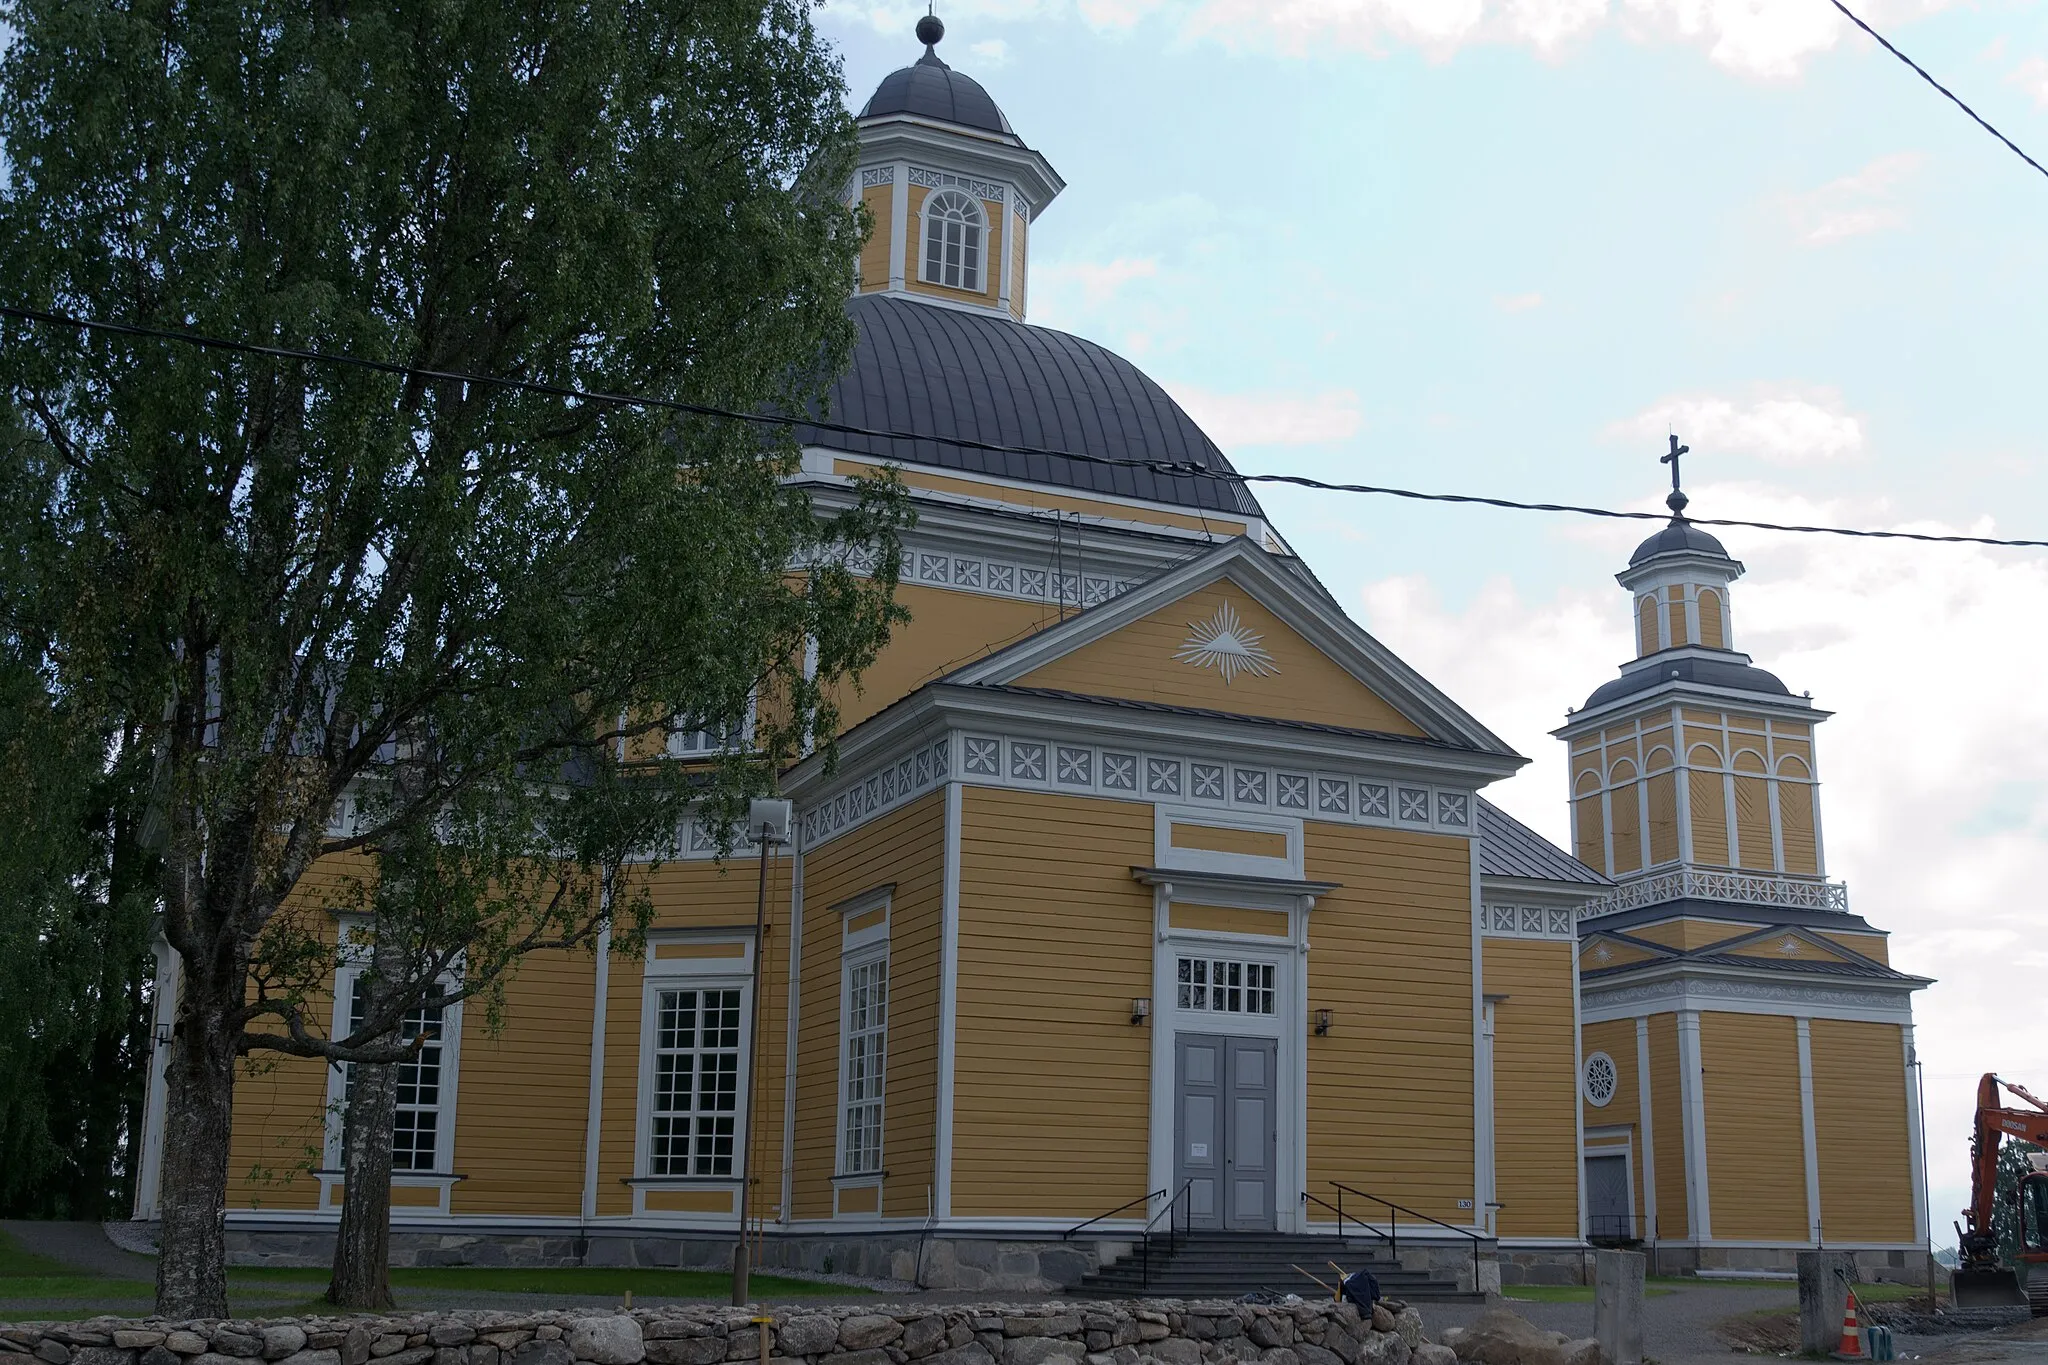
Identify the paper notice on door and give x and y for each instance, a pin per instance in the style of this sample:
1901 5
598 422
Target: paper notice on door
1198 1150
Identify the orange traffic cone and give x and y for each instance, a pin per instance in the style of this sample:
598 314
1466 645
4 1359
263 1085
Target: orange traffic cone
1851 1347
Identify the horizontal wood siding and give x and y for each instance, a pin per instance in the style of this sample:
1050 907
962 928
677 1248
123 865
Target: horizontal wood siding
945 629
1859 1115
523 1091
1667 1128
1051 1090
1756 1152
1535 1087
907 847
1138 661
1390 1090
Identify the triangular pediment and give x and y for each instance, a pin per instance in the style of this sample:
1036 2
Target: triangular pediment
1601 951
1785 943
1234 632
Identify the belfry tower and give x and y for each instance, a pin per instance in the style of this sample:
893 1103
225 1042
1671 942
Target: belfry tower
1694 758
1747 1048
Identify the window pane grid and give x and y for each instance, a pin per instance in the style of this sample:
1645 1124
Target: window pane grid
1218 985
952 242
416 1118
694 1118
866 1030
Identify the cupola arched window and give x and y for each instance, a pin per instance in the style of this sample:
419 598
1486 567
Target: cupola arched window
952 241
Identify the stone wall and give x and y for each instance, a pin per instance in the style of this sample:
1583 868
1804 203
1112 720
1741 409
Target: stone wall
975 1264
1141 1333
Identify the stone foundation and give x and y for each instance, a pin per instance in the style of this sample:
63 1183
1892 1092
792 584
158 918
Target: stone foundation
1908 1266
975 1264
1144 1333
1546 1265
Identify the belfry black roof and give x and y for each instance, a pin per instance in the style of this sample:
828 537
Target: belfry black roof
928 88
1733 672
949 374
1679 535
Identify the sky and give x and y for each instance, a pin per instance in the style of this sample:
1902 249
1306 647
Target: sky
1504 247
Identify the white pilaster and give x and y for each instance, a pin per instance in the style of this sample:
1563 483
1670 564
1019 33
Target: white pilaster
1009 222
792 1002
593 1114
949 996
899 226
1645 1111
1806 1130
1914 1120
163 1020
1692 1101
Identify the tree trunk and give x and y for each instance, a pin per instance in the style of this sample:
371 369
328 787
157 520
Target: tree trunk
362 1249
191 1269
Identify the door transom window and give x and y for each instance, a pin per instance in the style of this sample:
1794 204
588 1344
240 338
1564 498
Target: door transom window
1223 985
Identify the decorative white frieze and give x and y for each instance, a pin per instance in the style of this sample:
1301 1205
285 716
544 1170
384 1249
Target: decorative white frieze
938 180
1000 578
1147 774
1748 888
871 176
876 792
1526 921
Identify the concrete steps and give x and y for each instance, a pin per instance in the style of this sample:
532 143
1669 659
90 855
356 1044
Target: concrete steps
1224 1265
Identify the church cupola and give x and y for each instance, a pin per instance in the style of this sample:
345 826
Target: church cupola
1680 579
1693 757
951 189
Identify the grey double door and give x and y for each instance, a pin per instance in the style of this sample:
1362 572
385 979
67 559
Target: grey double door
1226 1122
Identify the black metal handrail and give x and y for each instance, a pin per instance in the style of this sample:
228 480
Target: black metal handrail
1172 1233
1393 1233
1338 1209
1145 1199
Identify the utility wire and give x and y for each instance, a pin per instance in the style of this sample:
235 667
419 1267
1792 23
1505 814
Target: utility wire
1953 99
1172 468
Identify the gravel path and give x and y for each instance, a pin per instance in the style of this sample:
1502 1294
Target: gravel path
1678 1327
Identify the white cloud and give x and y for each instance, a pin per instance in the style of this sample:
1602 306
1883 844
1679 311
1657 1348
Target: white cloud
1094 282
1764 39
993 52
1935 806
1783 427
1274 418
1854 205
2031 76
1518 303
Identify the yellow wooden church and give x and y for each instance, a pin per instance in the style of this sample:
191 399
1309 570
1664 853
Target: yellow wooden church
1150 891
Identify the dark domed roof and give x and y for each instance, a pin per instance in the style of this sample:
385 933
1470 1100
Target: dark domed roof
930 89
1735 672
1680 536
949 374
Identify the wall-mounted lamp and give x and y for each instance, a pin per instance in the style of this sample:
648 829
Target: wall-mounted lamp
163 1035
1322 1023
1141 1009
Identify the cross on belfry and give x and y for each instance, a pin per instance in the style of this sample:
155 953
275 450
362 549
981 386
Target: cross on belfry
1677 501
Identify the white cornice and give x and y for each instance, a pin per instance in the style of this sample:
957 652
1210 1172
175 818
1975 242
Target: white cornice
1679 691
1569 895
1874 1002
944 146
1321 623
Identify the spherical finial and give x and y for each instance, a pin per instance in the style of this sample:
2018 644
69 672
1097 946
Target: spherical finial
930 29
1676 502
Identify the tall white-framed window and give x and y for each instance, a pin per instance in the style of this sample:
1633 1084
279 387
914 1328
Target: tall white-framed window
423 1120
693 1058
694 1117
863 1034
953 227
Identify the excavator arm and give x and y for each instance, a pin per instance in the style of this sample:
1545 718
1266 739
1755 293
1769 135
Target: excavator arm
1980 1279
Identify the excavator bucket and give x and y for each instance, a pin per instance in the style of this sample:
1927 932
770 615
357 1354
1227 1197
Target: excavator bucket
1986 1289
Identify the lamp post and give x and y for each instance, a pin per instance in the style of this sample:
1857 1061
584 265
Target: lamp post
769 822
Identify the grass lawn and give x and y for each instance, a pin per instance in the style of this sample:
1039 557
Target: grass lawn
36 1288
1566 1293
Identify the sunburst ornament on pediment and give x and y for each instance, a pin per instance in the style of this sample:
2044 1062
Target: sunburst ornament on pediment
1227 645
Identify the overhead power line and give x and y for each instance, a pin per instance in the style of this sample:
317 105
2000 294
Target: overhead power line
1173 468
1952 96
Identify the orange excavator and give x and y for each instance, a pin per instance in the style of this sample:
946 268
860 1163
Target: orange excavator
1981 1278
